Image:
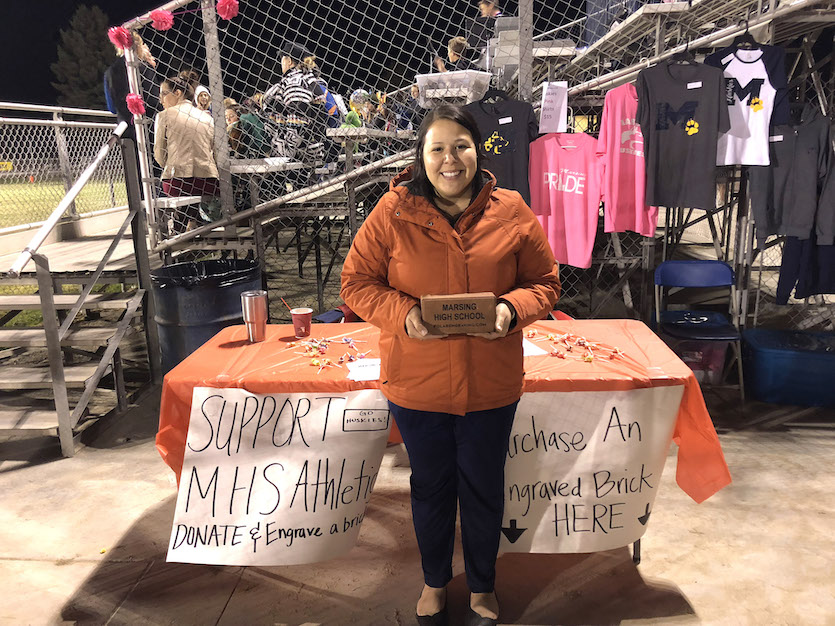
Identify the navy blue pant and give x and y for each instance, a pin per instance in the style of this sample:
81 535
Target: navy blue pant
456 459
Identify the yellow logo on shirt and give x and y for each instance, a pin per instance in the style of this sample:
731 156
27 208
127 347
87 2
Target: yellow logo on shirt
756 104
495 143
692 127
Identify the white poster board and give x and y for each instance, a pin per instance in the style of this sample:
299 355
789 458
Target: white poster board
276 479
281 479
583 468
553 116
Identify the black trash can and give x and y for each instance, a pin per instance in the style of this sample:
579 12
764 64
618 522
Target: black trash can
197 299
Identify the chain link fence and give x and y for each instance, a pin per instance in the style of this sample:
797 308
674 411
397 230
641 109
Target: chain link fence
283 150
40 160
43 150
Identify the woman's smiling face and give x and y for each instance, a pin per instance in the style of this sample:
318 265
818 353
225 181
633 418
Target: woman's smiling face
450 158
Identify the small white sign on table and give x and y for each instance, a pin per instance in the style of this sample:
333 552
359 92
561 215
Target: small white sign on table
276 479
553 117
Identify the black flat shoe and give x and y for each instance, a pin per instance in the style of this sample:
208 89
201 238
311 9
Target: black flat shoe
474 619
441 618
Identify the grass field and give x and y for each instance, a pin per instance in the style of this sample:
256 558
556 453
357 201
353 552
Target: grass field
23 203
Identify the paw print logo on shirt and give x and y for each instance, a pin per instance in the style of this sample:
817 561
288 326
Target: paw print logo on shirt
692 127
495 143
756 104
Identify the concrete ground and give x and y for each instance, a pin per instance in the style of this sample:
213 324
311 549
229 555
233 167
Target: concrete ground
83 541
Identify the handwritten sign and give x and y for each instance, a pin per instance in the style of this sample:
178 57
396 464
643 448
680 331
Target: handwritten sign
283 479
276 479
554 113
583 468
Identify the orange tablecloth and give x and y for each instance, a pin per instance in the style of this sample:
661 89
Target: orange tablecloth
229 360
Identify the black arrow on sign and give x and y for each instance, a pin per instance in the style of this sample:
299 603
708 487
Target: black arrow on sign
645 517
513 533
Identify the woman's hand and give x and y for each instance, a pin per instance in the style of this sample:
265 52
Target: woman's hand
503 318
415 327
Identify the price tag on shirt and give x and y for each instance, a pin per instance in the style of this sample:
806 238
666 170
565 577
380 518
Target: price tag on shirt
505 120
695 85
554 113
775 138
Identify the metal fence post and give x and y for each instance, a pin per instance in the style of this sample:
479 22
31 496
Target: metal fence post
143 264
227 198
525 50
64 158
56 361
144 144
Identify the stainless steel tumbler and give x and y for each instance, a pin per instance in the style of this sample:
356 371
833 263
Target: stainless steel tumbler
254 306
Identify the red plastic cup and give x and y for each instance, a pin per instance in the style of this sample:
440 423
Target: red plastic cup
302 319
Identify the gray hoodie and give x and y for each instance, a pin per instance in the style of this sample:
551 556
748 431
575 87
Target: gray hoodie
825 218
784 195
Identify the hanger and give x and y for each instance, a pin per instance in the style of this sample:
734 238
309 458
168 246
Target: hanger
494 95
686 56
746 40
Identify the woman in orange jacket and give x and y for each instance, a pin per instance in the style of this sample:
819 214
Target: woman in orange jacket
444 228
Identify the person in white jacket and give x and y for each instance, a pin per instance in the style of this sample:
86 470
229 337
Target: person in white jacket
184 147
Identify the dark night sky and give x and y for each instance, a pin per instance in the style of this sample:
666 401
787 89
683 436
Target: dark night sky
29 34
25 73
29 41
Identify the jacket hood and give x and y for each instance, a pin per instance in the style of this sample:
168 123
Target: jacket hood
476 206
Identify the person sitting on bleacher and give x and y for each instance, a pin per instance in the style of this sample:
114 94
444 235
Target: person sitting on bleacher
292 100
411 113
247 137
323 97
328 112
482 30
184 148
457 59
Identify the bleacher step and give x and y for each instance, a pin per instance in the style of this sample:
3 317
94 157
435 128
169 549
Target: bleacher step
28 419
94 301
15 377
34 337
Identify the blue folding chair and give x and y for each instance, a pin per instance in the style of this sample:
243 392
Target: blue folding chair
694 324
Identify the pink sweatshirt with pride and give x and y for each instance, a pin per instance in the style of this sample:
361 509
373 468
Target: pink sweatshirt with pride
621 149
565 176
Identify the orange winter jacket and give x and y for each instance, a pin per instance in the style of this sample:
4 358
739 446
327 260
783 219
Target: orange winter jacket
406 248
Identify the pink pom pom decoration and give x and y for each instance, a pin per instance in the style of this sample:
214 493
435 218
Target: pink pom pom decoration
135 104
227 9
161 19
120 37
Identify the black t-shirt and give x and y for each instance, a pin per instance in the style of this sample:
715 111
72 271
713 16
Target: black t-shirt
681 110
507 128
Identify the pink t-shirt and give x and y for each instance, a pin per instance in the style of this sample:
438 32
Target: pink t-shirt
621 150
565 178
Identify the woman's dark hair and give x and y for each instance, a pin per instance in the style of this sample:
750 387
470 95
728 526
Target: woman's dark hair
420 184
